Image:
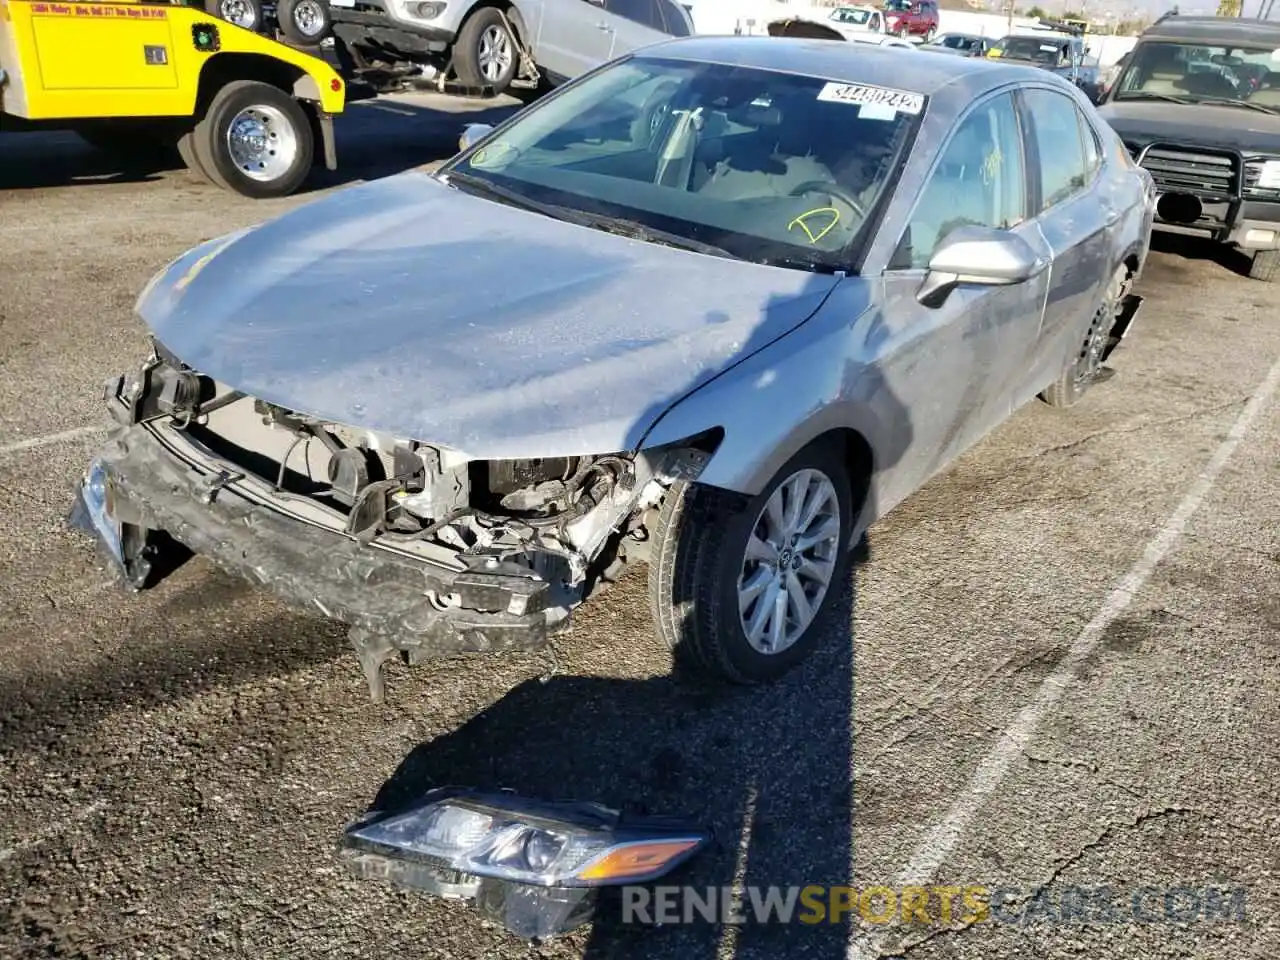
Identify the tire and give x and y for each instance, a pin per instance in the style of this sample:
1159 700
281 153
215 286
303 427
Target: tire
929 35
700 553
1265 265
304 22
268 113
1083 366
243 13
187 151
480 47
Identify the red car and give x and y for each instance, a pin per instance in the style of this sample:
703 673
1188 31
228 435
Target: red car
911 18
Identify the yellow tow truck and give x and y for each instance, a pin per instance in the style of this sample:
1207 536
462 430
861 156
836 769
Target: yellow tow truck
245 112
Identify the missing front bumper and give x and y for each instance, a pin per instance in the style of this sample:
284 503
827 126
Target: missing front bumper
137 490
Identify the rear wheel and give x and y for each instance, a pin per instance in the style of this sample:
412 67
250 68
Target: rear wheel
485 52
254 139
1085 364
305 22
742 592
1265 265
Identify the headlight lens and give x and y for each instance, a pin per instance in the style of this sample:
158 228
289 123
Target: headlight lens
526 841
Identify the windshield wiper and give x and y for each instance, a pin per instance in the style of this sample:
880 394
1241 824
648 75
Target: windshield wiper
1228 102
504 195
1170 98
638 231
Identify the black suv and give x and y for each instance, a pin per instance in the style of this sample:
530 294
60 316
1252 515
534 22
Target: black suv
1198 105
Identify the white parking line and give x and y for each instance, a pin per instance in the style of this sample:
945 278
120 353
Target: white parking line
33 442
947 833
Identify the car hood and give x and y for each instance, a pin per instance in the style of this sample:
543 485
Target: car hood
1232 128
408 307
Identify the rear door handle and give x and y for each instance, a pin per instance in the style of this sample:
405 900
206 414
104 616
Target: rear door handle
603 26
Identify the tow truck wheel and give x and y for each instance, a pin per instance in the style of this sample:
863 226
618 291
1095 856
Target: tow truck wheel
305 22
187 151
254 139
1265 265
486 53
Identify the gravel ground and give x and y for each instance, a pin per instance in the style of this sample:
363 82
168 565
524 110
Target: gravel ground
175 766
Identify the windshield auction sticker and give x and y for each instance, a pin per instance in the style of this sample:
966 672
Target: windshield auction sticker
903 101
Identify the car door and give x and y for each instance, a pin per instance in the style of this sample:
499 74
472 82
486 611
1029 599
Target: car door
1073 217
576 36
951 364
637 23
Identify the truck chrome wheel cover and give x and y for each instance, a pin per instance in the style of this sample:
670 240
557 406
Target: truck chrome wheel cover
789 559
262 143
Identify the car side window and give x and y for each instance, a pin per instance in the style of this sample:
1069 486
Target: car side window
672 17
1092 147
980 180
1063 168
643 12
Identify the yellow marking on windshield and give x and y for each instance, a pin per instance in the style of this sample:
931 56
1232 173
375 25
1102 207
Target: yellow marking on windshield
802 222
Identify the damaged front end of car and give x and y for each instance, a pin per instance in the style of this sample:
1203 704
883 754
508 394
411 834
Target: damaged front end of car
421 550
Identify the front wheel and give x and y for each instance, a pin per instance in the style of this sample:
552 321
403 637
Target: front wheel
255 139
305 22
1265 265
486 53
742 592
1084 365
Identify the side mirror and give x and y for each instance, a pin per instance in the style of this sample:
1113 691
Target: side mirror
977 255
473 133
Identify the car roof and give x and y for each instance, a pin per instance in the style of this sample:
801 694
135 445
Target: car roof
1224 31
838 60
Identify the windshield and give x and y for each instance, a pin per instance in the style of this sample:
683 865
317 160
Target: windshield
1029 48
956 41
1196 72
850 15
764 166
899 5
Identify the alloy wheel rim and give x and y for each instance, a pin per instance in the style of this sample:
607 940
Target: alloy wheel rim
262 143
789 561
496 54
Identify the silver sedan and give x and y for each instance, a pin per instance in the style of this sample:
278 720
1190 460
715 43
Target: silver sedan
716 306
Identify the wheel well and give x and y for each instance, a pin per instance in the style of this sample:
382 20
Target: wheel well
222 68
1131 263
858 458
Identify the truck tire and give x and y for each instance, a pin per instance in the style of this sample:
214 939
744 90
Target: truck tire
485 53
243 13
187 151
1085 363
1265 265
716 560
255 140
304 22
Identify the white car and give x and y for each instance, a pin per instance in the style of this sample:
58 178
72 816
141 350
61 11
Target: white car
857 23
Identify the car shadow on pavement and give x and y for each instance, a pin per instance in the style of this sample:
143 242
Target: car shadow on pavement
1199 248
768 769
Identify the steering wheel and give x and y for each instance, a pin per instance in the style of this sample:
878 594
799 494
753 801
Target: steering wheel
841 193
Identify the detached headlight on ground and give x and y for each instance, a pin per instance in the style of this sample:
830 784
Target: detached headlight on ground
531 864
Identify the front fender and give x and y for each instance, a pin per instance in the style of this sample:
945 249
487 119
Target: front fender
807 383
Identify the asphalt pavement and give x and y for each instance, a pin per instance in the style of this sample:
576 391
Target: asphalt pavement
1055 670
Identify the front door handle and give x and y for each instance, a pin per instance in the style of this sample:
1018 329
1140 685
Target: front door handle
603 26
